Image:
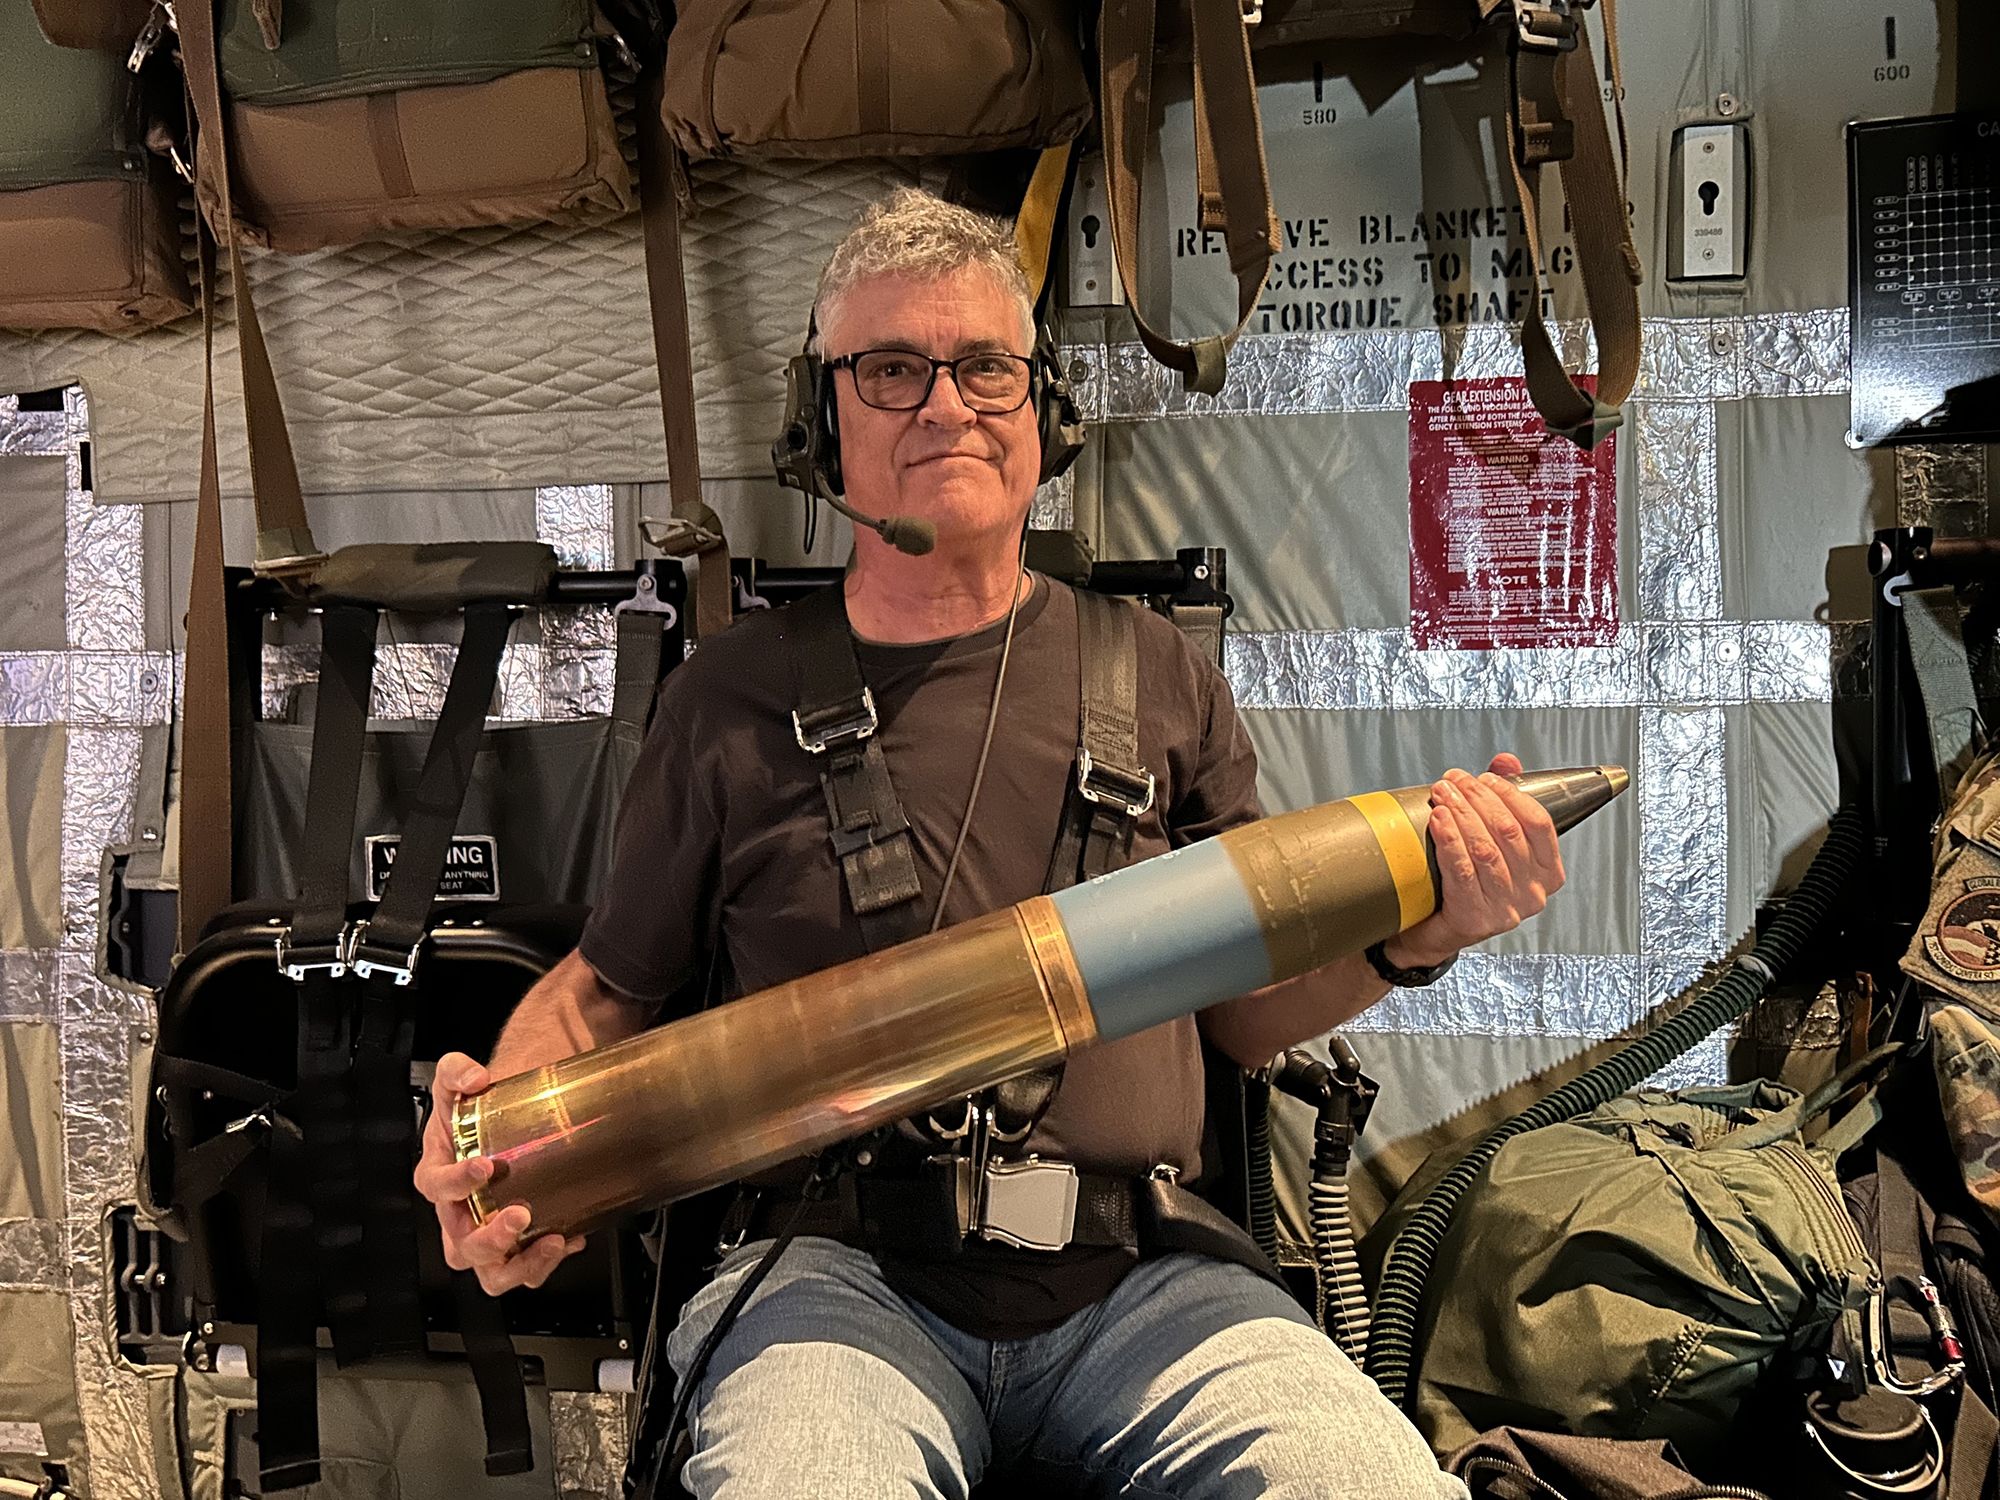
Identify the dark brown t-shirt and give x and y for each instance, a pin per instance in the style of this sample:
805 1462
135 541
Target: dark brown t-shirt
724 829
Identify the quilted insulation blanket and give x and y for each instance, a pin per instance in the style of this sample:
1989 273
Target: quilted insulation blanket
483 359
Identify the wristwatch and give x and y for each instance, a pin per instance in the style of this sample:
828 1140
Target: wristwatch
1405 979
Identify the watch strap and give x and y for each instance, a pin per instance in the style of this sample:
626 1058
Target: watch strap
1401 978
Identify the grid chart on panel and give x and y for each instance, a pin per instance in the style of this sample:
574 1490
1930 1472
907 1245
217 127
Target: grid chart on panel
1951 290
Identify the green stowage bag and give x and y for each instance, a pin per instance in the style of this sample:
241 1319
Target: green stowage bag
90 229
1655 1268
350 120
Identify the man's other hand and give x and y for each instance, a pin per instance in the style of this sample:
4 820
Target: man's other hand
1497 859
495 1250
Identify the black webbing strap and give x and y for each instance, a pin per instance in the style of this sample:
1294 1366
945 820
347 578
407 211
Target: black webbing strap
1110 787
384 956
1934 626
312 1254
1202 624
1905 1223
1108 780
204 1169
636 672
1902 1227
835 723
496 1371
1975 1450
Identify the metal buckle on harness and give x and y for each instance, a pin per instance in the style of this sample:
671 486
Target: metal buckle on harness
1546 25
1253 12
837 730
296 963
366 968
1108 786
1030 1204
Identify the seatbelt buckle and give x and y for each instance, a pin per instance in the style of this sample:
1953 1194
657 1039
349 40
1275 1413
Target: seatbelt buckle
1547 25
402 969
311 958
838 727
1030 1204
1111 786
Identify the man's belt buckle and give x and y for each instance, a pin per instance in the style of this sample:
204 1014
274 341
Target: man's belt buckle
1030 1204
1109 786
847 724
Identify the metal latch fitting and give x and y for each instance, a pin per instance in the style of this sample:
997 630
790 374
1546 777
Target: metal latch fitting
835 730
366 968
1546 25
1109 786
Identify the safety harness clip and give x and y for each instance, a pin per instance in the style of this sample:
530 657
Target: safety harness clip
1131 792
836 728
312 958
403 971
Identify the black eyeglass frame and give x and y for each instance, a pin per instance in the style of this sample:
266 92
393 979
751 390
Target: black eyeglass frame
848 362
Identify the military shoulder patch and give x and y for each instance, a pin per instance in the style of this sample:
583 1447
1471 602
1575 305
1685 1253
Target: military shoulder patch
1965 942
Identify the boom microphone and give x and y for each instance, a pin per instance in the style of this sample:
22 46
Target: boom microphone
910 534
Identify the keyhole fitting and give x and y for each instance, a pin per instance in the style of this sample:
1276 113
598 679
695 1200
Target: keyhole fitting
1090 226
1709 193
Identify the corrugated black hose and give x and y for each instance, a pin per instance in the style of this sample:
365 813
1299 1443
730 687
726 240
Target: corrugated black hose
1399 1301
1262 1188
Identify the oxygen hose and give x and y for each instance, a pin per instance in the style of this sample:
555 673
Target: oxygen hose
1341 1096
1262 1188
1399 1301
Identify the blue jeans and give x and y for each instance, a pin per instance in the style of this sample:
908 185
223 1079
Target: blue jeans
1195 1379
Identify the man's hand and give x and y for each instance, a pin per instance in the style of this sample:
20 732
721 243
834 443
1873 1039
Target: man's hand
1497 859
494 1250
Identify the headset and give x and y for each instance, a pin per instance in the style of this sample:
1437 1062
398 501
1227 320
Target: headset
807 451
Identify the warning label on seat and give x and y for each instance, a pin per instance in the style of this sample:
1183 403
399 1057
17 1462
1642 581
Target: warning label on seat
471 868
1513 531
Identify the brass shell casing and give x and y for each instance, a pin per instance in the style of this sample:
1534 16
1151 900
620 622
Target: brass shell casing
748 1085
764 1079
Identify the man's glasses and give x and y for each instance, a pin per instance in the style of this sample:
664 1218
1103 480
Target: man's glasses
898 380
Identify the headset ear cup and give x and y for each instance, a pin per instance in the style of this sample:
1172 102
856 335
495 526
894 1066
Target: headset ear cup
826 444
1061 424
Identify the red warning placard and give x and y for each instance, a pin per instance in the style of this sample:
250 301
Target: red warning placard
1513 532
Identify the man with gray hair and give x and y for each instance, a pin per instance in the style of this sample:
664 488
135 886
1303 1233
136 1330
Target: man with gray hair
896 1352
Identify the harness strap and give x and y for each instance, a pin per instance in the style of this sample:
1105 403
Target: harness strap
1233 183
918 1216
1111 787
835 722
385 951
636 668
311 1260
1108 780
666 294
1934 623
324 1102
1555 116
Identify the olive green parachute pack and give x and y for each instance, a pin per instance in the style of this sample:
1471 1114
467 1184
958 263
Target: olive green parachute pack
1651 1269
